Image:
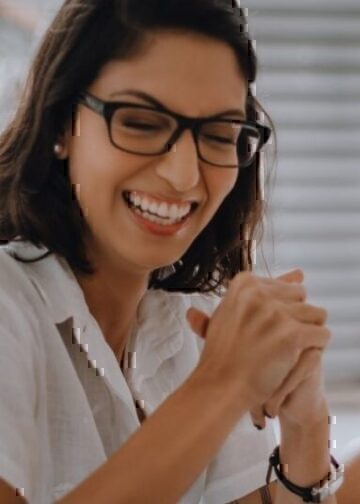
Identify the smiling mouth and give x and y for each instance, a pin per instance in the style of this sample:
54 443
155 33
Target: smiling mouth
131 205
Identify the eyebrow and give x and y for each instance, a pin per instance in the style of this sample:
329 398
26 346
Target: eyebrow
157 103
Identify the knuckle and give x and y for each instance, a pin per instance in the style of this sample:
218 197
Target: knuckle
276 319
259 292
323 314
288 343
256 296
327 334
281 310
294 343
302 294
314 357
324 334
319 314
295 340
275 313
243 278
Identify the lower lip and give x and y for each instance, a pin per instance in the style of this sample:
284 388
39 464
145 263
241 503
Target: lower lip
157 229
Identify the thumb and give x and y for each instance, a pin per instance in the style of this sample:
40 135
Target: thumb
198 321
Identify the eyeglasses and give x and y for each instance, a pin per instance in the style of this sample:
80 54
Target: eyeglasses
149 131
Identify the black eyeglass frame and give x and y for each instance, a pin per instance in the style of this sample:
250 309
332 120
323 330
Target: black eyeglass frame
107 109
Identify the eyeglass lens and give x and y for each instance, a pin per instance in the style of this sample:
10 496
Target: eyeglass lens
145 131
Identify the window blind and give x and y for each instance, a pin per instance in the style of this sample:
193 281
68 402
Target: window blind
309 82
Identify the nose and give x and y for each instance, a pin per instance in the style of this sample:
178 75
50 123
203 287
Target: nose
180 166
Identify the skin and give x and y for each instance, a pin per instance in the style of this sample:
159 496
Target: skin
295 401
175 69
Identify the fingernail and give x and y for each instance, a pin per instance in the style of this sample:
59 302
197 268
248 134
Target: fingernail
267 414
258 427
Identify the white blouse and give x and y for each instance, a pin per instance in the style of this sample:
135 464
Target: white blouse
66 406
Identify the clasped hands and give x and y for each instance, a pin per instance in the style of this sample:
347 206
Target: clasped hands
282 377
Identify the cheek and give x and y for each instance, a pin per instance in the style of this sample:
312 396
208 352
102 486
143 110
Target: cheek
220 184
91 159
100 173
90 150
91 179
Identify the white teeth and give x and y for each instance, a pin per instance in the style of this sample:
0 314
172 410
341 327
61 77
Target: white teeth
145 204
152 207
154 219
175 212
163 210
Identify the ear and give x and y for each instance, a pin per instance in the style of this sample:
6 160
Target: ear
198 321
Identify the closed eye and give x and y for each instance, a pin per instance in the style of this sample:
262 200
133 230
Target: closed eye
220 139
142 126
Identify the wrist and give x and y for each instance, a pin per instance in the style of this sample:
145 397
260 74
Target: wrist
316 420
321 491
304 451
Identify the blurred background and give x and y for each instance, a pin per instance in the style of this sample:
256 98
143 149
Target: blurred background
309 82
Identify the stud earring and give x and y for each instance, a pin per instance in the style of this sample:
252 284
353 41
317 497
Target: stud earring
58 150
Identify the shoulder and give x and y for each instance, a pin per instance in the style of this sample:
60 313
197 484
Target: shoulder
15 286
20 309
21 344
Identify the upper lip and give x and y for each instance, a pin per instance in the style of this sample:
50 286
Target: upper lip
166 199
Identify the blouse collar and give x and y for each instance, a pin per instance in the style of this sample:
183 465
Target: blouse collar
161 326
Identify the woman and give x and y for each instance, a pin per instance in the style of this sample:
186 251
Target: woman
136 339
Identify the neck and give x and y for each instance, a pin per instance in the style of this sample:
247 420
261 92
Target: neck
113 297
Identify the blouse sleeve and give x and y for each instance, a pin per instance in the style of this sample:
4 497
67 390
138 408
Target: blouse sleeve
241 465
18 386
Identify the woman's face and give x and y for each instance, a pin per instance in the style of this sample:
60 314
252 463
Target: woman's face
191 75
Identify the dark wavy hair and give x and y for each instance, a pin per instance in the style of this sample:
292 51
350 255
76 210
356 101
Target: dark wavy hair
37 200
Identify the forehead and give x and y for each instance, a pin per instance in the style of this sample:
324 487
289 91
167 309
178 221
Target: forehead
190 73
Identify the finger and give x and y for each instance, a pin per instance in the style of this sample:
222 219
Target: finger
296 275
258 417
198 321
307 313
285 292
306 365
311 336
